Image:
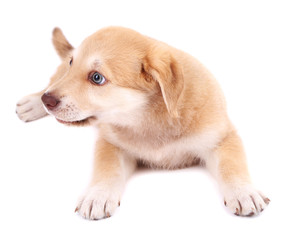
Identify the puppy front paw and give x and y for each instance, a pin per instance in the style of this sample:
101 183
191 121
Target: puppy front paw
30 108
244 200
98 202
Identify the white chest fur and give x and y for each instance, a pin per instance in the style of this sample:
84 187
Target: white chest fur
173 154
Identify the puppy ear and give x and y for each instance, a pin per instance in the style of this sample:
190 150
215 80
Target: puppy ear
61 44
162 67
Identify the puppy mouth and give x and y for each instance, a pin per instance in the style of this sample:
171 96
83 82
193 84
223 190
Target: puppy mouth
82 122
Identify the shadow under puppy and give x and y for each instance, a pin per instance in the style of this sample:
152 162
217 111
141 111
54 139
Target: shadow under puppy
152 104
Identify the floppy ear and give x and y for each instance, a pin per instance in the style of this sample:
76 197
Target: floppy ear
61 44
161 66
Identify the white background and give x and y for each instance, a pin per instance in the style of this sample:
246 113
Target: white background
45 166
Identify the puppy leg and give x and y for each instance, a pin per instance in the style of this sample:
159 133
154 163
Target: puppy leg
112 167
229 166
30 107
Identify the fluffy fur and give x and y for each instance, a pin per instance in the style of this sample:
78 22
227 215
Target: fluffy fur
159 106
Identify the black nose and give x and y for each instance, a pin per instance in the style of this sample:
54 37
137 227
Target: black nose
49 101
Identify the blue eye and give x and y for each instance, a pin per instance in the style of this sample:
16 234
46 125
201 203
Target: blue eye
97 78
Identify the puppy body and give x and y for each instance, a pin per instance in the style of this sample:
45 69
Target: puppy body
159 106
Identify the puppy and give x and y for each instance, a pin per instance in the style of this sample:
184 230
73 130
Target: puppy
153 104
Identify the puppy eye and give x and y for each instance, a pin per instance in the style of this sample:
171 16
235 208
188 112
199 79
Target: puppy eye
71 61
97 78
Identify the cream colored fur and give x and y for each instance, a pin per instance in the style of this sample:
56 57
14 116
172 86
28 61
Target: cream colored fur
159 107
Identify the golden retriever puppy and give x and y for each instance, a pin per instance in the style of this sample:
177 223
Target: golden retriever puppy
153 104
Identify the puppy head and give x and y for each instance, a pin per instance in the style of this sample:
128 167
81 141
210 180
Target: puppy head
112 77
